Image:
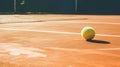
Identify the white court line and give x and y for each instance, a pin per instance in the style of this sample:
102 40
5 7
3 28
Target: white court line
96 22
109 49
108 35
77 50
57 32
89 51
83 51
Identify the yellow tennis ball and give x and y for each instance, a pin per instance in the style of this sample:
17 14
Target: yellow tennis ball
88 33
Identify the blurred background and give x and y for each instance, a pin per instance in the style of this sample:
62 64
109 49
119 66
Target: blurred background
61 6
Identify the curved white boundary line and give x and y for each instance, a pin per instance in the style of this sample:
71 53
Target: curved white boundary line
57 32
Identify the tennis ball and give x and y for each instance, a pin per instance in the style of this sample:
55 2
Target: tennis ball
88 33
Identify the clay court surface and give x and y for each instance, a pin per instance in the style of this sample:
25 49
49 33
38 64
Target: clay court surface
50 40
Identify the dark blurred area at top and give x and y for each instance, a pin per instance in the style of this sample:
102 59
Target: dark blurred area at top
62 6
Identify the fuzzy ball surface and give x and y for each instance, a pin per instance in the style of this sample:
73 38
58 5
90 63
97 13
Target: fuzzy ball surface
88 33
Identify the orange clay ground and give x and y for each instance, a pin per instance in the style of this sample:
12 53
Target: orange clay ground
54 41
